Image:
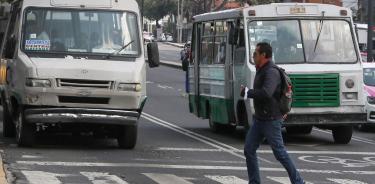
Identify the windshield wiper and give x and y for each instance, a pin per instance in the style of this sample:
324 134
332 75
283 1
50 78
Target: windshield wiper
320 30
118 51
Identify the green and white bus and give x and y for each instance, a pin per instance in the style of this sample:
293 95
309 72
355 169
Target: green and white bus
314 43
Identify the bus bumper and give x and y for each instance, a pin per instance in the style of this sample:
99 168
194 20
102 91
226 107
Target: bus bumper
326 119
81 115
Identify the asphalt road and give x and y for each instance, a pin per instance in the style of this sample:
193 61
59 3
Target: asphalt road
175 147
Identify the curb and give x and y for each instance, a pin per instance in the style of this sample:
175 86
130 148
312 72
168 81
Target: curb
174 44
171 64
3 179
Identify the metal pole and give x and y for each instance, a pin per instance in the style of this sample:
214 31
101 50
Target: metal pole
370 17
181 21
142 6
178 20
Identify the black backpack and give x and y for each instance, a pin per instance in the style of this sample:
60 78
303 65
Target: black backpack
286 95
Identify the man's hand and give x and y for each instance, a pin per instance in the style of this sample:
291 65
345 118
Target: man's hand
285 116
242 89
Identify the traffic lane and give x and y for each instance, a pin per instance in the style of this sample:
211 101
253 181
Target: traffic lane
169 52
168 100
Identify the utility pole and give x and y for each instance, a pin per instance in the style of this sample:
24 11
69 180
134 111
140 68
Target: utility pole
370 17
178 21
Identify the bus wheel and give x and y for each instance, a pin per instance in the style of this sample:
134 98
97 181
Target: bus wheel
294 130
342 134
127 137
9 130
25 132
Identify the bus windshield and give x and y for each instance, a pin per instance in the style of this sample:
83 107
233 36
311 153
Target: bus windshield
80 31
369 76
296 41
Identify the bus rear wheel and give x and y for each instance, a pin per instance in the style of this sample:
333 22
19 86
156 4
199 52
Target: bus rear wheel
342 134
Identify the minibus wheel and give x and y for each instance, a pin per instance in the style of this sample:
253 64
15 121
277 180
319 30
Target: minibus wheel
9 129
342 134
25 132
127 137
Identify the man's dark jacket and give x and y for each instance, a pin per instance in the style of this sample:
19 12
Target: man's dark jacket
266 93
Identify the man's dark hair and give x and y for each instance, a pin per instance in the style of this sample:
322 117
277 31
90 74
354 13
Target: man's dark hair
266 48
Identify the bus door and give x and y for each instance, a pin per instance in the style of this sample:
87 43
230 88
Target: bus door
193 70
239 71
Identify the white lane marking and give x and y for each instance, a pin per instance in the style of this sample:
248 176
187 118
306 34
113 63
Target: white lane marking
103 178
270 151
221 146
149 82
345 181
226 179
166 178
359 139
282 180
30 156
194 167
41 177
189 149
164 87
195 161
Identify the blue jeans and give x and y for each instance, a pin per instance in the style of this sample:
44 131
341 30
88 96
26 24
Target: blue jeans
271 130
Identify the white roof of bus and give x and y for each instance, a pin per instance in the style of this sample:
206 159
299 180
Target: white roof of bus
277 10
284 10
130 5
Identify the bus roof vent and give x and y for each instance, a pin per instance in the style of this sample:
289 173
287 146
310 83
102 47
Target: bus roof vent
82 3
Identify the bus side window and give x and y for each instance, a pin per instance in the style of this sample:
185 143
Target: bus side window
240 50
220 42
206 55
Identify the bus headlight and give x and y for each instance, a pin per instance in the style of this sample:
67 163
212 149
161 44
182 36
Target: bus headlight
43 83
129 87
349 83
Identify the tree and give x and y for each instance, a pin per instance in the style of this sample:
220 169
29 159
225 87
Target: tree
156 10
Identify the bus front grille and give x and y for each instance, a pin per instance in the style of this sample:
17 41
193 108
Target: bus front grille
315 90
79 83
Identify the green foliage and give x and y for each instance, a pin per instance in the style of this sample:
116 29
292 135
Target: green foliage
156 10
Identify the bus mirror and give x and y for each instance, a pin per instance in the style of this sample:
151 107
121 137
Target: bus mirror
233 35
153 54
10 48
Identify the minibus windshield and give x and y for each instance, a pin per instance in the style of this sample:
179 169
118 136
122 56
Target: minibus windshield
80 31
296 41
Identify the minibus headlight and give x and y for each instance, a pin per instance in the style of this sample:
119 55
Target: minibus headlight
129 87
349 83
45 83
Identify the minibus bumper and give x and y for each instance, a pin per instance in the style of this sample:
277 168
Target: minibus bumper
81 115
326 119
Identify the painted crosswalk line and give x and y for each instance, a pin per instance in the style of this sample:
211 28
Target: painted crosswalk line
103 178
41 177
226 179
166 178
345 181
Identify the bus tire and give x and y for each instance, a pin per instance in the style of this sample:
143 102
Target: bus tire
294 130
127 137
242 114
342 134
9 130
25 132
